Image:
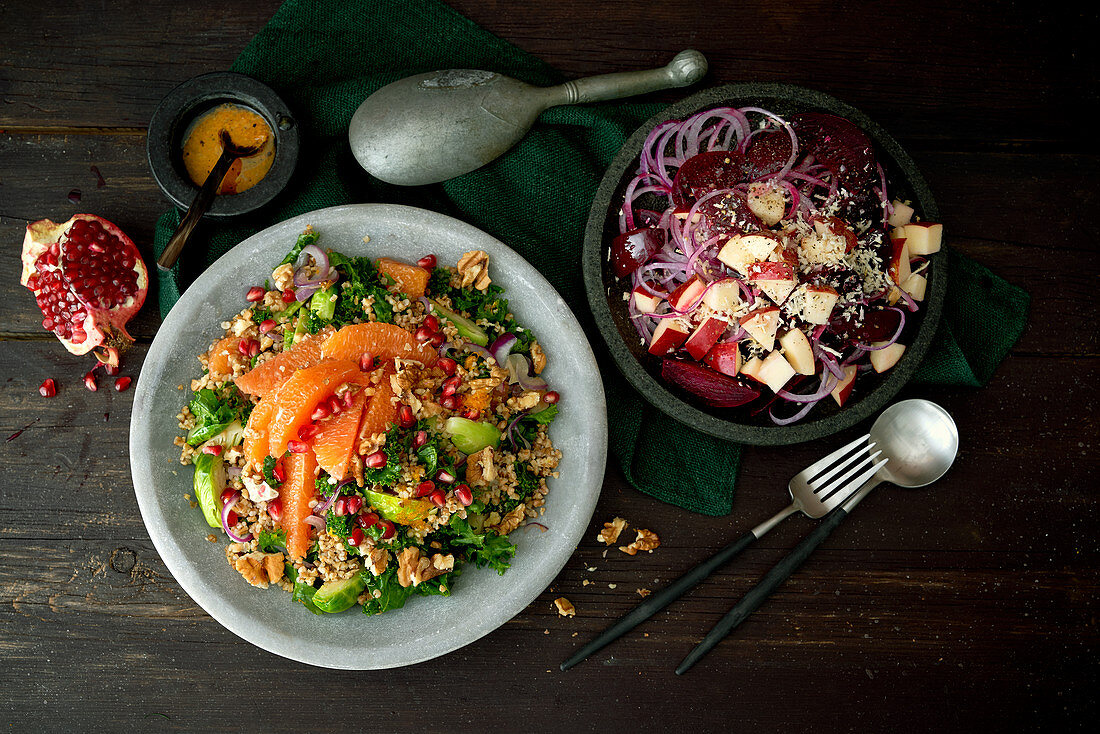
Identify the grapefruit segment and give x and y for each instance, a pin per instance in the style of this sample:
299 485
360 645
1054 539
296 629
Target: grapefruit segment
221 353
269 376
336 438
296 492
382 340
299 396
255 434
411 280
381 412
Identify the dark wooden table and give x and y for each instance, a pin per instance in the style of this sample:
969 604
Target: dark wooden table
970 606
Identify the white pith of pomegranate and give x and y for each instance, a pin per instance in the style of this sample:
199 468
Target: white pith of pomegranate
88 280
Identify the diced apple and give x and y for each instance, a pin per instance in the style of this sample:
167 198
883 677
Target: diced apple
923 238
775 279
837 227
820 300
725 295
725 358
915 285
752 369
903 214
644 301
798 352
894 294
743 249
687 294
775 371
668 335
884 359
899 260
843 389
705 336
762 323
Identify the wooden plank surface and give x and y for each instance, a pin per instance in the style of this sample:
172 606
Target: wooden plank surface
971 606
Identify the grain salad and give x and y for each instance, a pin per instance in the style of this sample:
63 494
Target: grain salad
364 428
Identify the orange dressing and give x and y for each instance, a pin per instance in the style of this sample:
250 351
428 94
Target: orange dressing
202 147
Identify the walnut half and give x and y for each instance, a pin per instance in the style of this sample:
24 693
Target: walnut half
480 469
260 569
565 607
611 530
414 569
473 268
647 540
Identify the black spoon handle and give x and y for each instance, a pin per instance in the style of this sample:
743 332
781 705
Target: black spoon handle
203 201
759 593
661 599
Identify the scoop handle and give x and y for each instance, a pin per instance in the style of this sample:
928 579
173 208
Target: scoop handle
686 68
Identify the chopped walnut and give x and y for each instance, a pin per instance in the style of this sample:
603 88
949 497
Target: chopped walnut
377 560
611 530
512 520
260 569
283 276
473 267
565 607
407 560
413 569
480 469
526 401
443 563
647 540
538 357
644 593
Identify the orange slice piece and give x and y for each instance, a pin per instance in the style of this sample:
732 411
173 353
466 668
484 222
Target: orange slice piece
381 412
298 489
269 376
255 434
221 353
299 396
386 341
412 280
336 438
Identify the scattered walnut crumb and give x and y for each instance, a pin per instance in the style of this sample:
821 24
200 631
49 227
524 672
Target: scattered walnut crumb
585 582
644 593
647 540
565 607
611 530
212 538
546 632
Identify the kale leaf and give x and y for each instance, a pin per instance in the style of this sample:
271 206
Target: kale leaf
270 541
482 549
214 410
302 592
305 238
269 471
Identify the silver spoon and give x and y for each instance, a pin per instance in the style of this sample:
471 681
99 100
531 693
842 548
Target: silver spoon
918 438
431 127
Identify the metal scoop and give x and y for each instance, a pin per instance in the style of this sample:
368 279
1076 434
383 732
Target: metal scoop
431 127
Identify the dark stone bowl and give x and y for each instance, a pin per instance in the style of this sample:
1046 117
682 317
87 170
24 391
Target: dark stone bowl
643 370
194 97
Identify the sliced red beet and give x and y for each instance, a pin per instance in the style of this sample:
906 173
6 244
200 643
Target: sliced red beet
878 325
630 250
706 172
729 214
846 151
767 153
716 389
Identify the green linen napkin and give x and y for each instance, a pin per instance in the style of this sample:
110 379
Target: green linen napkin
325 56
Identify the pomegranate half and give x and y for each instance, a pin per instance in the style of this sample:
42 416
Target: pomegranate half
88 280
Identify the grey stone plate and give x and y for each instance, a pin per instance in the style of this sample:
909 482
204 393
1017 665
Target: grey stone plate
643 370
427 626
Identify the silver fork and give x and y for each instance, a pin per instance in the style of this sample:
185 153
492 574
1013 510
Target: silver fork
815 491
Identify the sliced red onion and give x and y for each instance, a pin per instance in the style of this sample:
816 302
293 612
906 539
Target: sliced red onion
519 372
510 431
794 418
305 292
502 346
828 382
320 259
226 509
322 508
315 522
479 351
891 340
232 471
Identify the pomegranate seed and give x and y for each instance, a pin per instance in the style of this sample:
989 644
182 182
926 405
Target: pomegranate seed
423 335
213 449
438 498
110 369
444 476
47 323
420 439
437 339
388 530
356 537
464 495
471 414
275 509
297 447
449 402
431 323
308 431
348 399
321 411
288 296
231 519
367 519
279 472
255 293
48 388
425 488
253 348
427 262
447 364
377 460
267 325
227 494
242 346
354 504
406 417
366 362
551 397
450 385
340 507
89 380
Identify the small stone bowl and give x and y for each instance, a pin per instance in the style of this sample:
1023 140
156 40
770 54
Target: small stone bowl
192 98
